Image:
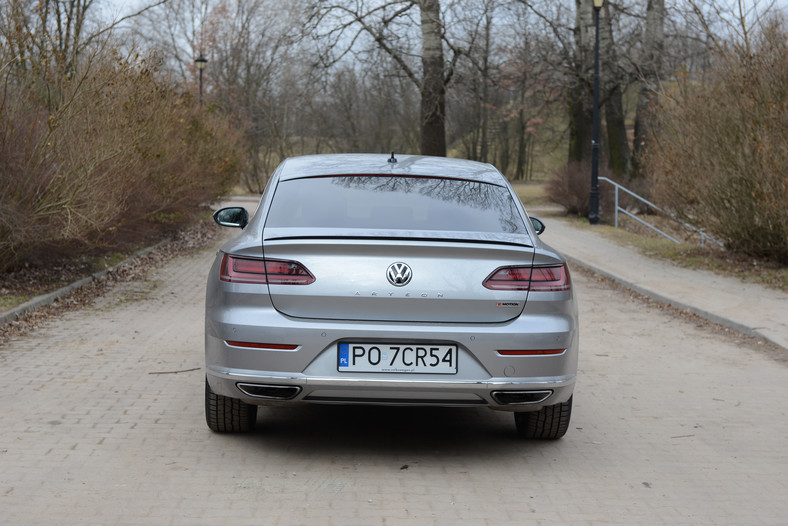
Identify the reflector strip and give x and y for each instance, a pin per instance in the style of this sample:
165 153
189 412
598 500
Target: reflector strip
268 346
540 352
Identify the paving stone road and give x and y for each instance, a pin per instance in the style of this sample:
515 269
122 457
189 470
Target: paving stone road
101 422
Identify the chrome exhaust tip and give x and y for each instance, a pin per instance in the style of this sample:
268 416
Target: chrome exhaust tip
269 392
520 397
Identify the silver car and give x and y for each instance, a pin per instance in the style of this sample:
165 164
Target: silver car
401 280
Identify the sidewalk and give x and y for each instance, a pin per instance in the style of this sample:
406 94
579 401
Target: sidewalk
748 308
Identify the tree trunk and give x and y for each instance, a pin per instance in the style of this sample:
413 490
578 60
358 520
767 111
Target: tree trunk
485 121
477 111
581 93
619 157
433 92
580 123
519 172
650 67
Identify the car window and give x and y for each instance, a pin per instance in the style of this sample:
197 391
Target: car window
395 203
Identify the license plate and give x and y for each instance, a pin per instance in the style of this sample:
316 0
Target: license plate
397 358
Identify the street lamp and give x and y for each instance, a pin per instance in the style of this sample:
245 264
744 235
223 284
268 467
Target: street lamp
593 198
200 62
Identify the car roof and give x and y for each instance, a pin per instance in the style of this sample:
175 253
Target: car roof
378 164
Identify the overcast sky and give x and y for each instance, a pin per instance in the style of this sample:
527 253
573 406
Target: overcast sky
114 9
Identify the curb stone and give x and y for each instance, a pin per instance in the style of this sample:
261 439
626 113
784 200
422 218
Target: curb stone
49 298
665 300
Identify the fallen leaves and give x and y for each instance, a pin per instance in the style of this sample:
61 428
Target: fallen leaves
33 281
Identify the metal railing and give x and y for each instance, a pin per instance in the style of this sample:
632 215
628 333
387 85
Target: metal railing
703 236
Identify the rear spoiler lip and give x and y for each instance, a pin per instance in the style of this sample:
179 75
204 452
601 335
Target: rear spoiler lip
401 238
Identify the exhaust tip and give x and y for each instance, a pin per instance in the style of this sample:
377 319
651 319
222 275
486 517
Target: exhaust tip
270 392
520 397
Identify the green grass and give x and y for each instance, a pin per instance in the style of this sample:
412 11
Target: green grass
107 261
8 302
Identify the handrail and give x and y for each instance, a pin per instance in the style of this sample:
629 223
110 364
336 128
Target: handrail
703 235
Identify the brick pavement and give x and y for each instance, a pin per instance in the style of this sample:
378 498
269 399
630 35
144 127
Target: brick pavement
673 424
749 308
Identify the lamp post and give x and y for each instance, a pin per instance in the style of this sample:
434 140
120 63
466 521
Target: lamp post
593 198
200 62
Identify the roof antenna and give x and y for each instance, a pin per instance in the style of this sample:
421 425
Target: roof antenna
392 159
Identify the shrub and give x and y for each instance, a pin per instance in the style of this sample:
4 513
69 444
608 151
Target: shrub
721 149
570 187
102 158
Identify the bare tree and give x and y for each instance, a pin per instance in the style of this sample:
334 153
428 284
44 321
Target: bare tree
615 80
341 24
580 103
49 36
176 28
475 79
650 65
366 109
253 72
501 97
255 77
531 86
577 65
433 81
736 20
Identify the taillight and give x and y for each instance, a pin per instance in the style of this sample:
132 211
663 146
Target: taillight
538 279
550 278
238 270
261 271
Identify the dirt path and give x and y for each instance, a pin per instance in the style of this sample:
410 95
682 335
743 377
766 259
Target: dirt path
101 422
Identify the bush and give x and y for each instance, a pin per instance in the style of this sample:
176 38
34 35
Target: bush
102 158
720 155
570 187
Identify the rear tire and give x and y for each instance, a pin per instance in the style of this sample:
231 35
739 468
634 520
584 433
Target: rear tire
549 423
228 415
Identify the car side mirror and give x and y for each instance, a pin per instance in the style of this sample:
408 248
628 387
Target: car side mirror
234 217
539 227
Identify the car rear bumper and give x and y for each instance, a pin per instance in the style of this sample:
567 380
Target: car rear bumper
297 359
270 388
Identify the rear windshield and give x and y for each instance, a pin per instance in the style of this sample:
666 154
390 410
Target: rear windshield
394 203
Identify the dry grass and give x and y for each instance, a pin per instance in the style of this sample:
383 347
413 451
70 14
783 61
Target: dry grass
689 253
531 193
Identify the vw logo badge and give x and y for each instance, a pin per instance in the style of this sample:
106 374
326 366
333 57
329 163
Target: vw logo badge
399 274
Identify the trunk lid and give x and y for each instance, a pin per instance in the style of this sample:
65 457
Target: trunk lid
440 280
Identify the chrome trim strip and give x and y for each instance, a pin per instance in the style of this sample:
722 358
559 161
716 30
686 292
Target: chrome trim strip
522 384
